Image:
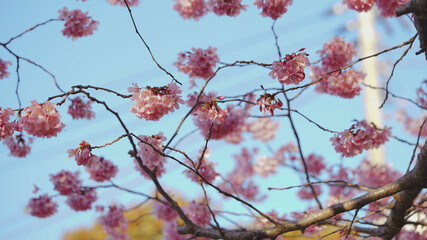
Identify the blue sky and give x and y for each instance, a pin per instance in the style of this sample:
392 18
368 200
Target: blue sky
115 58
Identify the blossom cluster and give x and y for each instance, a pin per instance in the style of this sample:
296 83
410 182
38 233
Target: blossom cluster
336 54
263 129
80 109
42 206
66 182
206 169
360 5
102 172
374 175
191 9
273 8
3 68
290 70
164 211
152 103
82 200
230 8
210 111
122 3
7 128
114 223
197 64
387 7
77 24
84 156
150 148
360 136
18 146
198 213
268 102
41 120
412 125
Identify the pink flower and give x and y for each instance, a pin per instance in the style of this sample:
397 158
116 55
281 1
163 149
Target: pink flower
388 7
170 231
361 136
232 124
210 111
164 211
373 175
18 146
3 69
412 125
273 8
268 102
104 172
191 8
345 84
198 213
79 109
360 5
152 103
6 128
227 7
41 120
315 164
150 149
336 54
122 3
263 129
266 166
66 182
305 193
159 172
42 206
81 201
291 69
77 24
206 169
340 189
197 64
114 223
83 155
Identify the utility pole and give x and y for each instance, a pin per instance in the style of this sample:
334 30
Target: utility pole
367 42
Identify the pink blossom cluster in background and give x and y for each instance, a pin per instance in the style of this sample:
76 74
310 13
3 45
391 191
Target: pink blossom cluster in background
18 146
290 70
131 3
159 172
197 64
3 69
198 213
191 9
360 136
66 182
412 125
305 193
114 223
41 120
150 148
83 155
7 128
104 171
42 206
374 175
152 103
82 200
387 7
77 24
206 169
360 5
80 109
230 8
210 111
336 53
273 8
263 129
164 211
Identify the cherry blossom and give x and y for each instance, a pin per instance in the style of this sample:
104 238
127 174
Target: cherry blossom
264 166
360 5
80 109
81 201
41 120
164 211
305 193
311 230
114 223
375 175
268 102
273 8
152 103
191 9
230 8
150 157
131 3
104 171
170 231
388 7
412 125
210 111
315 164
288 151
198 213
233 124
336 53
291 69
345 84
197 64
77 24
42 206
66 182
159 172
263 129
18 146
192 100
361 136
84 156
338 190
206 169
3 68
6 128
